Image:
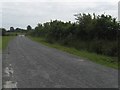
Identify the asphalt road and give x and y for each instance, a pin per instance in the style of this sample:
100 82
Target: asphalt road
38 66
0 69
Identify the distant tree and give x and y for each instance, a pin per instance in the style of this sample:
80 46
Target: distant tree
3 31
17 29
12 29
29 28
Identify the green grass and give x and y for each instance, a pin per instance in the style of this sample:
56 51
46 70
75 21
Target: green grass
5 41
100 59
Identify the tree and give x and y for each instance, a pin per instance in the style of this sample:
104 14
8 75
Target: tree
3 31
94 33
29 28
12 29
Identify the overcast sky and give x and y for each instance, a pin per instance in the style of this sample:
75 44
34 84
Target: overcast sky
20 13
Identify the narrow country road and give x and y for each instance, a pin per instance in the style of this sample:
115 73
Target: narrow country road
38 66
0 69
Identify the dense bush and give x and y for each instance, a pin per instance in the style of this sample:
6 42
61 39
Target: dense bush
2 31
90 32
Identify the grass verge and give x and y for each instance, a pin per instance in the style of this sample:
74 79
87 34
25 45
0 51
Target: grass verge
100 59
5 41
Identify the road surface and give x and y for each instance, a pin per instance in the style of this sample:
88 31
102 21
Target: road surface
0 69
37 66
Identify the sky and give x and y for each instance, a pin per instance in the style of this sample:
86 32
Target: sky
119 11
20 13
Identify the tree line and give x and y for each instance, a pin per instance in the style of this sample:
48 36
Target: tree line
94 33
12 31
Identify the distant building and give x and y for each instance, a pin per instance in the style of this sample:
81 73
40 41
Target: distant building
119 11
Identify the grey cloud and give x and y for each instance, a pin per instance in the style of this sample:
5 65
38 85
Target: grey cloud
20 14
